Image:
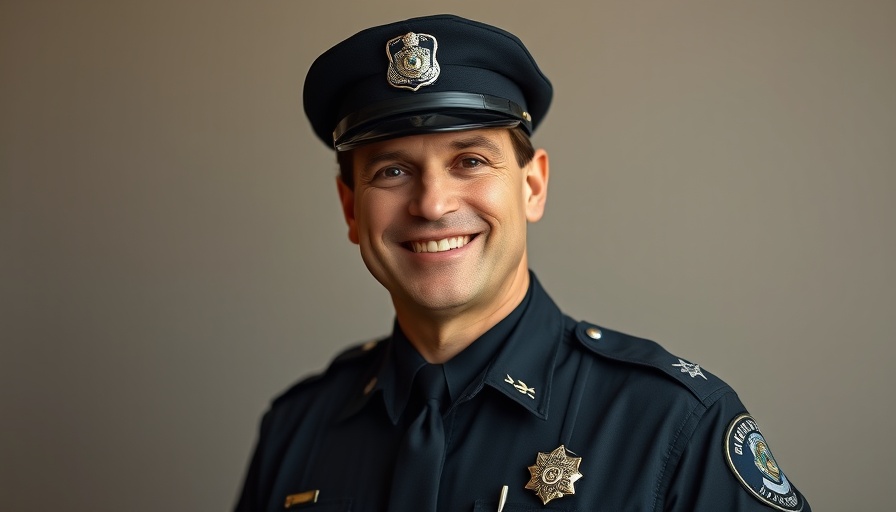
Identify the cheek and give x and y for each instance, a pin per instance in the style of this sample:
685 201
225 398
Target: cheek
375 212
502 199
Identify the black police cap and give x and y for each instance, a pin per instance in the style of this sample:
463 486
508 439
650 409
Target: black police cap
428 74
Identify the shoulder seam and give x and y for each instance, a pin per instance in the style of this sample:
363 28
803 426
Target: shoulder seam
694 419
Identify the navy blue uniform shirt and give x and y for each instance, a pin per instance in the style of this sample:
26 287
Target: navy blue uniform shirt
653 432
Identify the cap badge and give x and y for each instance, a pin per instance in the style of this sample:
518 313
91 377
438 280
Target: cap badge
412 61
554 474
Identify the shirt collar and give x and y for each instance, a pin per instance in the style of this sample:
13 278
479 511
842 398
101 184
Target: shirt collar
465 371
524 368
516 357
397 375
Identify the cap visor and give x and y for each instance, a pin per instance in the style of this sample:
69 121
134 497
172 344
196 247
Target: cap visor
423 123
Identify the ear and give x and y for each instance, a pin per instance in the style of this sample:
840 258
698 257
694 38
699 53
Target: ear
347 198
536 187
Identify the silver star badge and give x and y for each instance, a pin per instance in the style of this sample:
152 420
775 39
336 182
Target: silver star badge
554 474
691 369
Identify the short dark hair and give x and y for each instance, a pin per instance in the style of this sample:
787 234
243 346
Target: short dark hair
522 147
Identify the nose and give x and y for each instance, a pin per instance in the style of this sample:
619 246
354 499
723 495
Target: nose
434 196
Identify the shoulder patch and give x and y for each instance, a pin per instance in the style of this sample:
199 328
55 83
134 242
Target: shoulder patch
630 349
751 461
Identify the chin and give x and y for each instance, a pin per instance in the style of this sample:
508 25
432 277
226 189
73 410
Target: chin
439 298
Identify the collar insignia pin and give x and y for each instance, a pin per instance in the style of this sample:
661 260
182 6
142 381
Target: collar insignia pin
554 474
691 369
412 61
521 387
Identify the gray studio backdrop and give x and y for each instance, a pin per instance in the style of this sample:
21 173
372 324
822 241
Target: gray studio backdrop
173 255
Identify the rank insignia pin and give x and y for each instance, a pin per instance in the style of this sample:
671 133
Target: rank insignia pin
691 369
554 474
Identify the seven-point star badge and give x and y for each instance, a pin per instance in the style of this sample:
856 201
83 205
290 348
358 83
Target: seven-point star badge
554 474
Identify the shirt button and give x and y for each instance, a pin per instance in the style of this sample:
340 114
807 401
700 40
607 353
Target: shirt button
593 333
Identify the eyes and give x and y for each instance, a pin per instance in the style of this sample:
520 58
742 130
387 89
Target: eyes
394 172
391 172
471 162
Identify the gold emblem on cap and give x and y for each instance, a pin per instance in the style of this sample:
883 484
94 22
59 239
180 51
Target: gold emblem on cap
554 474
412 61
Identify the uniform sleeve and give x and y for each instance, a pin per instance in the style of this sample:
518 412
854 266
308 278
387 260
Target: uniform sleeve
251 498
704 480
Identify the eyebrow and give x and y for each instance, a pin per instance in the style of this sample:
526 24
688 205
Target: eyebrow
476 141
386 155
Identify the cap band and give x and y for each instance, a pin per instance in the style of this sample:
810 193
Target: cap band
478 109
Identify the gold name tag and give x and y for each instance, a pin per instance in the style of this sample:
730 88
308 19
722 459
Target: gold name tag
302 497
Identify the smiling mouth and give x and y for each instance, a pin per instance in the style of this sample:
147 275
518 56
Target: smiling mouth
445 244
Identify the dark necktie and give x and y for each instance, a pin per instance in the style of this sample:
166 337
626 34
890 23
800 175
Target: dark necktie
418 467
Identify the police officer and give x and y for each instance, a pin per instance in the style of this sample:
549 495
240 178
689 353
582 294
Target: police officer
485 396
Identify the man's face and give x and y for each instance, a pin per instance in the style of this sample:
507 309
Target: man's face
441 218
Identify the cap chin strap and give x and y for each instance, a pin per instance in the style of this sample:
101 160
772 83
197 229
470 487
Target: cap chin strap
424 113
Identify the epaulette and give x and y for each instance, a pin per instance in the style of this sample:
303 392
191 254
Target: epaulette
354 353
359 350
625 348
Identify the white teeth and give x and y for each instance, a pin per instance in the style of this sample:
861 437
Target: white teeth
445 244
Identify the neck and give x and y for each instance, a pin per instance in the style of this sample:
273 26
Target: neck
440 335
